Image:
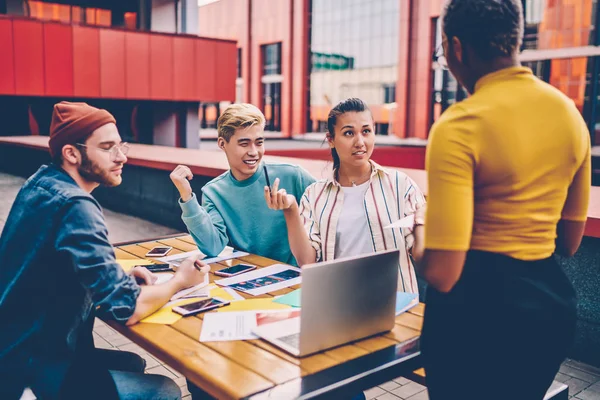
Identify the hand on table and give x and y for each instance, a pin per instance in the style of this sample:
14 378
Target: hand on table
191 272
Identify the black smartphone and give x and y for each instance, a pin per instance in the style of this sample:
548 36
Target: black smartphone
200 306
157 267
235 270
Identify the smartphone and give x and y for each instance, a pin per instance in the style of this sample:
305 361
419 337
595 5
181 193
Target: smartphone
157 267
159 251
235 270
200 306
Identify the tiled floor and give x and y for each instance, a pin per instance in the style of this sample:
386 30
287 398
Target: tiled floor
583 380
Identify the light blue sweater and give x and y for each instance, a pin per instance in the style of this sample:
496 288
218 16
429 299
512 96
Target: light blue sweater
235 212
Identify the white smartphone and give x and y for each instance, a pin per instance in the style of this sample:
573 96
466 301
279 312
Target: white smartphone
159 251
200 306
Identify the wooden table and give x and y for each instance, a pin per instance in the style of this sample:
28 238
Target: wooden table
254 369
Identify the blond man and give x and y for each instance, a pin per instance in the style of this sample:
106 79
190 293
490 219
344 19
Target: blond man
233 209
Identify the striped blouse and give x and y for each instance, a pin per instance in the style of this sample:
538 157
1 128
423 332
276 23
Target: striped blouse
391 195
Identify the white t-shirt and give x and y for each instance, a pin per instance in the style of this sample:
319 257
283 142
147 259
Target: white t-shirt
352 237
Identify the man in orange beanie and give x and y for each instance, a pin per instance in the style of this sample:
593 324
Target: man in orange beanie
58 271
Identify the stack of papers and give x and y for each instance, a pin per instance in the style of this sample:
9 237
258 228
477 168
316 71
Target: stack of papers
227 254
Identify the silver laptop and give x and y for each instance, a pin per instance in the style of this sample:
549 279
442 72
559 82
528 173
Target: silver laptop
341 301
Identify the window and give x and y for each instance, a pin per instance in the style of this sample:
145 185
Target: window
271 86
545 26
80 15
239 66
271 59
389 93
354 50
446 89
541 68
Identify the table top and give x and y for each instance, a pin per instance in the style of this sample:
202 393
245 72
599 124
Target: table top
243 369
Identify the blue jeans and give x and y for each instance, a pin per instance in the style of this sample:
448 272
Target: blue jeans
112 374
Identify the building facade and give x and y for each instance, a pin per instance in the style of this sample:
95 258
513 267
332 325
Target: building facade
141 60
298 58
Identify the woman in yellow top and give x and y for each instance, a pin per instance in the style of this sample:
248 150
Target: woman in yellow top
509 179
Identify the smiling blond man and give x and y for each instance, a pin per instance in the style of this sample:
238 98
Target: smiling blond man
233 208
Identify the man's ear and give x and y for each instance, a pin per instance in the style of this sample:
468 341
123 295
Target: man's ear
457 49
221 143
70 154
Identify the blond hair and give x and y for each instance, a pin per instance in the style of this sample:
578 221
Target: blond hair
236 116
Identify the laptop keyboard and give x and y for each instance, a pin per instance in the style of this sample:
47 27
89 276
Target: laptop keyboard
292 340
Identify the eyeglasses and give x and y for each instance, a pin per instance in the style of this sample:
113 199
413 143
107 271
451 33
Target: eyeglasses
439 59
113 151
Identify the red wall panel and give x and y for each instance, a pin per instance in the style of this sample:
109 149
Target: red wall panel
7 58
206 68
29 57
389 156
112 64
58 59
137 65
226 71
161 67
184 67
86 62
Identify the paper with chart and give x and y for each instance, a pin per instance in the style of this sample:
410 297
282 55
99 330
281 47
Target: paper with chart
217 327
228 253
406 222
264 280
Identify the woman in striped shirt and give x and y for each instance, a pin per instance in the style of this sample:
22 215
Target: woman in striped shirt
346 215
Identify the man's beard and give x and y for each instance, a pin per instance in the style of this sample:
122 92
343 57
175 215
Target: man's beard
90 171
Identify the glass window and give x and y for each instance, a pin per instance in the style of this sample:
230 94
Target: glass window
76 14
271 59
389 93
446 90
545 26
354 53
239 62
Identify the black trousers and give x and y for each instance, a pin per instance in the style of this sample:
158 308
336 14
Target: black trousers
501 333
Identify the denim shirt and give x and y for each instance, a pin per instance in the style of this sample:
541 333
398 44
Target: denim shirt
56 267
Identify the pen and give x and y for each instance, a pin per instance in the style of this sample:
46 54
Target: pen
267 176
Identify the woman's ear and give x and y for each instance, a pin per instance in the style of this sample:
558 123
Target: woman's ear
330 141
